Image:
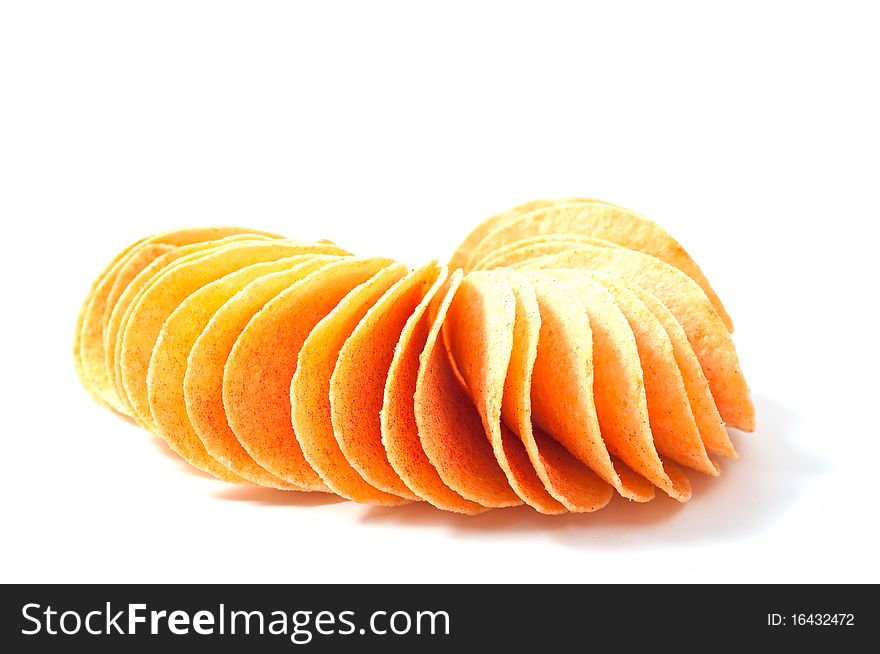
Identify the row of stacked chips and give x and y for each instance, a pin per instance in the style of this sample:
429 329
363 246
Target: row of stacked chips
570 349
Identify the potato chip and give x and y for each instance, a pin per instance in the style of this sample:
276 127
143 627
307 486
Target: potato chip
480 330
690 306
562 399
619 388
672 422
400 430
450 428
261 366
120 315
567 480
607 222
203 381
86 328
310 391
168 361
163 295
463 252
89 346
711 427
95 356
121 311
357 388
536 246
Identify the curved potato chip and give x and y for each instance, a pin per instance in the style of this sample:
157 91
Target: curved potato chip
136 261
86 329
711 427
683 297
310 391
165 293
121 310
480 330
608 222
261 366
569 481
168 361
93 307
562 399
90 332
95 360
463 252
619 388
536 246
400 431
672 422
450 428
203 381
357 387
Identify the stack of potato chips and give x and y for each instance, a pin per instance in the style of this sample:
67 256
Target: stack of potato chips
570 349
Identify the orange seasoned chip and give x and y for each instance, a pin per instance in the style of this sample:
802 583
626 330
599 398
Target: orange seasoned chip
607 222
100 296
165 293
711 427
92 324
450 428
310 391
683 297
619 387
118 317
569 481
480 330
562 400
672 421
400 430
261 366
203 381
357 387
168 362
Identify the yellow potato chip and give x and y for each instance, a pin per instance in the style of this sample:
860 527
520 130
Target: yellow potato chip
690 306
134 263
400 431
619 388
479 328
310 391
83 324
168 361
562 399
711 427
261 366
607 222
567 480
463 252
94 354
672 422
177 282
121 310
450 428
203 381
89 348
536 246
357 387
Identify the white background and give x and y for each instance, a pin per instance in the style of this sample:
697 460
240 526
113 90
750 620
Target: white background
751 133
